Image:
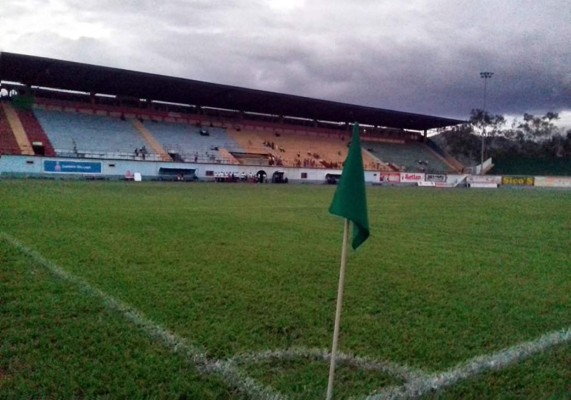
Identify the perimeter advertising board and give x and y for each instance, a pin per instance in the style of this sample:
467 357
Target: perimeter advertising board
518 180
72 167
406 177
390 177
437 178
485 179
553 181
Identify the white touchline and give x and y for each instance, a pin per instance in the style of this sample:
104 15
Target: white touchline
477 365
231 375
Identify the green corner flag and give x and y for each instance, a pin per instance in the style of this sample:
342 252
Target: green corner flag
350 200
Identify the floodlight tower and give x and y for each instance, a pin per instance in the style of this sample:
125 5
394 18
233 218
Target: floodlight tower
485 76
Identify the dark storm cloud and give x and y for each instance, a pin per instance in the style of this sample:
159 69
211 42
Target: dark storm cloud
417 56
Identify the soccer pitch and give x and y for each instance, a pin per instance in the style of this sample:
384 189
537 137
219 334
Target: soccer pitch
227 291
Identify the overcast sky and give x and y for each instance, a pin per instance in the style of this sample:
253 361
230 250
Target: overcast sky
422 56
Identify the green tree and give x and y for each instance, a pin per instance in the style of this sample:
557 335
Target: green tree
537 128
486 123
533 137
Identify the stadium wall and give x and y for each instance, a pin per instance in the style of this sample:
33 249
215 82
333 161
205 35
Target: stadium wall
62 168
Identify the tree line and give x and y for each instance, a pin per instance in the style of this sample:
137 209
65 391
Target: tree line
529 137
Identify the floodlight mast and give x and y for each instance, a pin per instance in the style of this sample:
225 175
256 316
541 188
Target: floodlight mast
485 76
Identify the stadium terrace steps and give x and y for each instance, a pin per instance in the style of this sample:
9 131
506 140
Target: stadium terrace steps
410 156
35 131
195 144
18 130
255 153
228 156
446 157
93 133
150 139
374 163
302 149
249 141
298 149
87 135
453 165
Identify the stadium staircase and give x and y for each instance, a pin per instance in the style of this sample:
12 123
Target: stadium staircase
447 158
18 130
8 144
226 155
35 132
254 152
373 163
150 139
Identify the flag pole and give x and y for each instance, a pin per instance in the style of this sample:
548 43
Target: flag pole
338 309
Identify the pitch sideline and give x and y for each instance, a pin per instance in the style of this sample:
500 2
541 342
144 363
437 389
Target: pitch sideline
477 365
231 375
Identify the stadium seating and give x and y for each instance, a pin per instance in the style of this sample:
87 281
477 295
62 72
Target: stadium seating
309 148
104 131
248 140
92 136
410 156
193 143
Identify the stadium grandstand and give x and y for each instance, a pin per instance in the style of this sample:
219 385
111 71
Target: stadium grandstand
62 117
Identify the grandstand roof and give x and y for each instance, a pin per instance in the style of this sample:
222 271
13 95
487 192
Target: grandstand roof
59 74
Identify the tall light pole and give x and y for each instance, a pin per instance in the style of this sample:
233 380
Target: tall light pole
485 76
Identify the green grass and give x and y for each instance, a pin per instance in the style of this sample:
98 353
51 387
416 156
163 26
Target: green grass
58 343
446 276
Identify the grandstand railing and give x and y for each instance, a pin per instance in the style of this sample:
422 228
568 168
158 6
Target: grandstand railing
106 155
186 157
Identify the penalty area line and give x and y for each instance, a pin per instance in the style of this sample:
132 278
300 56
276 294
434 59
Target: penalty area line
229 373
477 365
